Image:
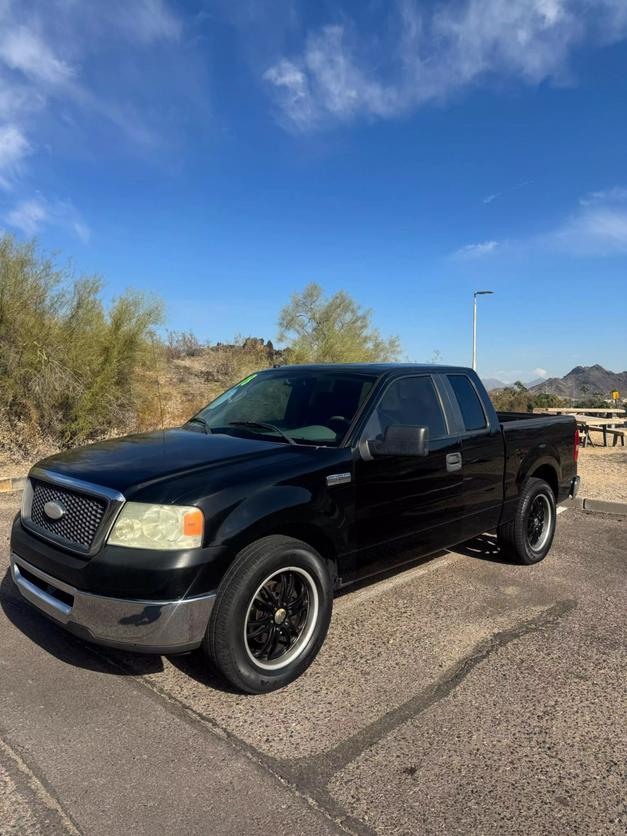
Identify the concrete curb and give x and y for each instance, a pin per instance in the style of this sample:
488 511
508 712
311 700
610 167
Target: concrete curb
12 483
601 506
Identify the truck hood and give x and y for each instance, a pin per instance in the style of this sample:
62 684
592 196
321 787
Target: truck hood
135 461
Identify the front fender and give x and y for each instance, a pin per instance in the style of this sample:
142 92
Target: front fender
280 509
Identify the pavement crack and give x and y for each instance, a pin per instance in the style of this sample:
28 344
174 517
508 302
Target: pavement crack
316 772
191 715
38 786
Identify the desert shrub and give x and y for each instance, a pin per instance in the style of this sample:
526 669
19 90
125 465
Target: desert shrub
597 400
69 368
333 330
546 399
517 398
182 344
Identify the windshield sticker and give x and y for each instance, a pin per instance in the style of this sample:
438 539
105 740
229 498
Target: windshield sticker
247 379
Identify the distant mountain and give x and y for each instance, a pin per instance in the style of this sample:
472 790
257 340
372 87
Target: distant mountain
531 383
583 381
491 383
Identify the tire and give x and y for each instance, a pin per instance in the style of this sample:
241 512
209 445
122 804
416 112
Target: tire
528 537
271 614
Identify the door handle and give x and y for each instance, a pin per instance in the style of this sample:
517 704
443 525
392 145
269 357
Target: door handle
453 462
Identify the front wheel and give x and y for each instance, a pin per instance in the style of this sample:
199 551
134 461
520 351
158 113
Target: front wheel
528 537
271 614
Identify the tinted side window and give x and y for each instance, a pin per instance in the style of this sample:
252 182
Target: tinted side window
469 403
411 401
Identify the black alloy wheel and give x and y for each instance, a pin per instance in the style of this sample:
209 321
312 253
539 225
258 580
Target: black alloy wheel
281 617
271 614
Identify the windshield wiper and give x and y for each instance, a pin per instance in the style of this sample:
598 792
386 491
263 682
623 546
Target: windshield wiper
264 426
202 422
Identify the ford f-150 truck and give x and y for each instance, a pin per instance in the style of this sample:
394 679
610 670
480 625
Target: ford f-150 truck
232 532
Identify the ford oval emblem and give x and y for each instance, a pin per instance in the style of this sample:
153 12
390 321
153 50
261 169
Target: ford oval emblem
54 510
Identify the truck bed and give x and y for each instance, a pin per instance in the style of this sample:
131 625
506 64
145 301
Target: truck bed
530 440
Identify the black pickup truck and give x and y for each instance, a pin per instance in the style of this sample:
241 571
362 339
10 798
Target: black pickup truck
232 533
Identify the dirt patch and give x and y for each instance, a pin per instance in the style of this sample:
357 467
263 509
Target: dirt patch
603 472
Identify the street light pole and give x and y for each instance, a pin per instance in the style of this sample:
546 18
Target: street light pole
474 323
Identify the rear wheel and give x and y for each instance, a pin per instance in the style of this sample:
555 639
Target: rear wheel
271 614
528 537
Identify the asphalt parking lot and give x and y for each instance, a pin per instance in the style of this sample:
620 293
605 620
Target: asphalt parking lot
464 695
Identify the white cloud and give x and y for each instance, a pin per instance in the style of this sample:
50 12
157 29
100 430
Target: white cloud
328 83
23 50
477 250
28 216
430 55
141 21
539 373
597 227
13 148
33 215
617 194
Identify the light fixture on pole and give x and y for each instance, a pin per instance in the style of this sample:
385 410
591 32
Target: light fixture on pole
474 323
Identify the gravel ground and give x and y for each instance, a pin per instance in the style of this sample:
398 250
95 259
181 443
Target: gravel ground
603 472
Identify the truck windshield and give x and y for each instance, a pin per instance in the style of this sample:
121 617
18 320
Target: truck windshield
308 407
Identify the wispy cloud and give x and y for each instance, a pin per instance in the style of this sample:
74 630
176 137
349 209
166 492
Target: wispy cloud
33 215
595 230
617 194
598 226
340 74
14 147
496 195
477 250
48 52
145 21
25 51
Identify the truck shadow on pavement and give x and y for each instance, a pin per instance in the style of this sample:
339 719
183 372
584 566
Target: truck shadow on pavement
58 642
72 650
484 547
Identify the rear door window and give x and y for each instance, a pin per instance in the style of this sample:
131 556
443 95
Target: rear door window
468 401
409 401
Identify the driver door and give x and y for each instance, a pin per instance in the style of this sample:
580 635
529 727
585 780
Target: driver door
407 506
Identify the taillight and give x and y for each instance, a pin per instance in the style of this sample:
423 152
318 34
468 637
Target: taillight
576 450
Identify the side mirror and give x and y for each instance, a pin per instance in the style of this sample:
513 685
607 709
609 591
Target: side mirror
401 441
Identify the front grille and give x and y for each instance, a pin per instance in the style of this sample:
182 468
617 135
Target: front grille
78 525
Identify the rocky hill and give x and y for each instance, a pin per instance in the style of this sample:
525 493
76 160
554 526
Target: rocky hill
583 381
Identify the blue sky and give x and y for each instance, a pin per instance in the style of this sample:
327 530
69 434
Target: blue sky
224 154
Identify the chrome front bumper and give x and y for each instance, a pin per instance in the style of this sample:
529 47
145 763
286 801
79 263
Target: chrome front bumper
145 626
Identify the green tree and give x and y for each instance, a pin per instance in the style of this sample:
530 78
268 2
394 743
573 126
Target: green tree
70 370
332 330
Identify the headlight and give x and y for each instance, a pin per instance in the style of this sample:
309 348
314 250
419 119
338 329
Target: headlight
143 526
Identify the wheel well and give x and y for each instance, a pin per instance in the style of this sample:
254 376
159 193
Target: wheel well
314 537
549 474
